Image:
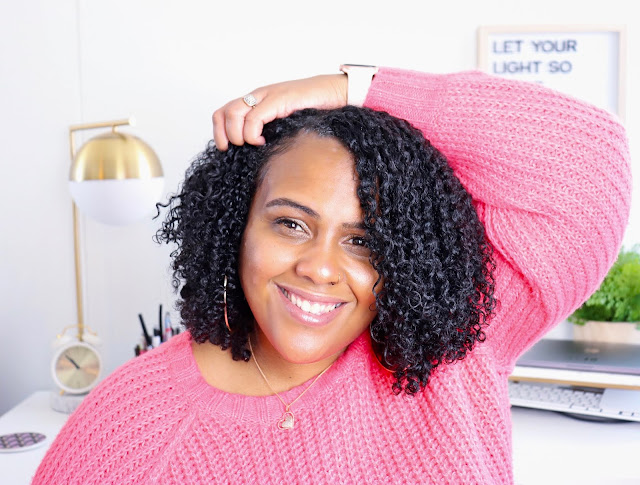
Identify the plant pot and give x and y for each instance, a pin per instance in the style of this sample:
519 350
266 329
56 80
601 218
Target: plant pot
616 332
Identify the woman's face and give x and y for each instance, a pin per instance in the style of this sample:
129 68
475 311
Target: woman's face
304 267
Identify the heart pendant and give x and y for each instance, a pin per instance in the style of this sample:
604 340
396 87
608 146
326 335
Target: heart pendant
286 421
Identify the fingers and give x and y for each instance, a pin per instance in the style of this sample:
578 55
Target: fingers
228 124
219 131
237 123
267 110
234 126
252 130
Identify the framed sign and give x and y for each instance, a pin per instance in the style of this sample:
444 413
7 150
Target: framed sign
585 62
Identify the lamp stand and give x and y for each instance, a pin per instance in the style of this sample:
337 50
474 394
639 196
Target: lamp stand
76 216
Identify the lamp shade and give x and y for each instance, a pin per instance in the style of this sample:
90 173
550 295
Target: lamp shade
116 178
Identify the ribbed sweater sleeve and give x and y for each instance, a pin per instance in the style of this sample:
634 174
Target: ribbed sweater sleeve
549 175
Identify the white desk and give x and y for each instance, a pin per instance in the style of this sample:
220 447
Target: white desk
551 448
32 414
548 448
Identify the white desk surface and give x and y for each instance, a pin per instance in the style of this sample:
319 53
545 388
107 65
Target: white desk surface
32 415
548 448
551 448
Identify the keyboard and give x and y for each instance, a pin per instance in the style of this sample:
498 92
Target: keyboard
622 404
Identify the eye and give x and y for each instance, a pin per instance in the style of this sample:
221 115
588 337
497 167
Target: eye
289 224
358 246
359 241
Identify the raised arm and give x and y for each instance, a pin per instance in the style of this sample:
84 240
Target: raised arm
550 176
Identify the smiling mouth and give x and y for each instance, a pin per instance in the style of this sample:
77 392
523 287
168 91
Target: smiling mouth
314 308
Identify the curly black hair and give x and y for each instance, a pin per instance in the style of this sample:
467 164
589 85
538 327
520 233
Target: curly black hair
427 243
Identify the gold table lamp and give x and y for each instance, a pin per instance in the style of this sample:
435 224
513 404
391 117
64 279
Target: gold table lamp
115 178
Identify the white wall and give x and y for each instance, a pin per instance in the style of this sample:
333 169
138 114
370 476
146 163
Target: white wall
171 64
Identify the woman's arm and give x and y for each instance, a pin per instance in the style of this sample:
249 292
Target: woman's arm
550 176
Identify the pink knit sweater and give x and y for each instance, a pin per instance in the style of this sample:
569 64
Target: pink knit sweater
551 181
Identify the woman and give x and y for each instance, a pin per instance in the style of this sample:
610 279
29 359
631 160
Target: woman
337 277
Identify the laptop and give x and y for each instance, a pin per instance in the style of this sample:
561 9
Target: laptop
583 356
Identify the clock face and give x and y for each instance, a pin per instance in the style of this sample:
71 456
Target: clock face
76 367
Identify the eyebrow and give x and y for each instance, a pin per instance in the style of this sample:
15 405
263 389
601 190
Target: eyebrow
283 201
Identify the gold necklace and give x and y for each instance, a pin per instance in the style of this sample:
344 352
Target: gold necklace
286 421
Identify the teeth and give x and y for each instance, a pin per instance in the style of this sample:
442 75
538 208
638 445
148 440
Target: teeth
314 308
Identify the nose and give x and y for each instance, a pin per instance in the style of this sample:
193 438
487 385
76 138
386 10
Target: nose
319 262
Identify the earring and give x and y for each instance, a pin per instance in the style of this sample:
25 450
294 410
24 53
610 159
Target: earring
378 351
224 294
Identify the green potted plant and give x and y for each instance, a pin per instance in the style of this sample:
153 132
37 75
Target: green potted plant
612 313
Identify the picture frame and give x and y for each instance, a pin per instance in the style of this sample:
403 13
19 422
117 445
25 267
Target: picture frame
587 62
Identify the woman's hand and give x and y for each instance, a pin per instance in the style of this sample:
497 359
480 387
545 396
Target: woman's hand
238 123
